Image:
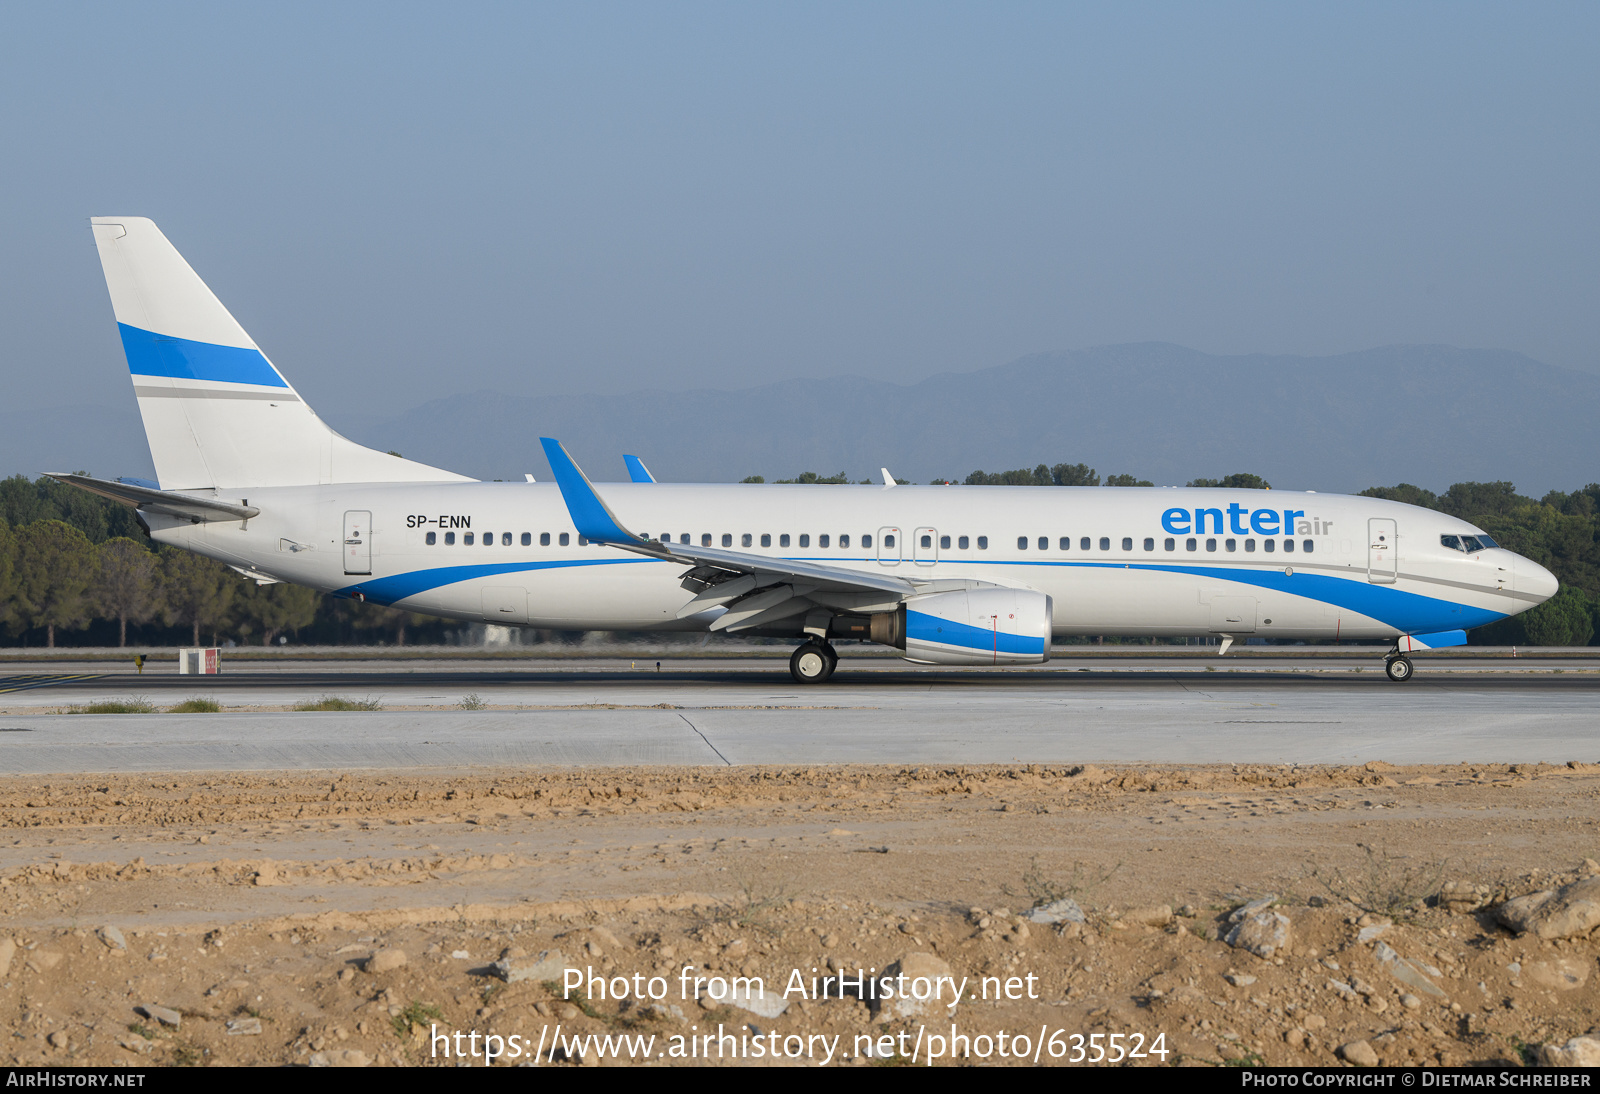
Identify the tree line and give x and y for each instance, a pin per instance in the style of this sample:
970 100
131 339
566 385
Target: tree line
76 566
73 564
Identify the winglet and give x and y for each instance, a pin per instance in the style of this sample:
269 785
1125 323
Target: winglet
594 521
888 479
637 471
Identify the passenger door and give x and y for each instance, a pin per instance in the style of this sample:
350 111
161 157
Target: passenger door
1382 563
358 542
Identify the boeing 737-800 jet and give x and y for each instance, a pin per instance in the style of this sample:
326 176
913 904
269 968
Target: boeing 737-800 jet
249 475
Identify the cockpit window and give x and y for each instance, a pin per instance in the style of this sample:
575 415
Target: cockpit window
1469 544
1452 542
1487 542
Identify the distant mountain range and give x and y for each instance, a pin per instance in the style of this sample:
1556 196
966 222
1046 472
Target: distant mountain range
1430 415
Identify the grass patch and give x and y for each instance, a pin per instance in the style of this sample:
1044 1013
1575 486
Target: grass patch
134 704
1041 888
758 901
473 701
417 1014
338 702
1384 884
196 705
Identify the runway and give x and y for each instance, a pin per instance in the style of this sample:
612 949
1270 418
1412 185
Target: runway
749 712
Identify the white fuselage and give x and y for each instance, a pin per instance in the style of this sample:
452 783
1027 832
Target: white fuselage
1136 562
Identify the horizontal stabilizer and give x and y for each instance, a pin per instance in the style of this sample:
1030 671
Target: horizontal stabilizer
160 501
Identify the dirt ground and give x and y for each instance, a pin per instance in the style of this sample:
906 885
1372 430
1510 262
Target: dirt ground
306 918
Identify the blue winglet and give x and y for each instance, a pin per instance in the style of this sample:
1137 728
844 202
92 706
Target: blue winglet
637 471
589 514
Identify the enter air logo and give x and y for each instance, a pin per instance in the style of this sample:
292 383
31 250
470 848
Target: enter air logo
1239 521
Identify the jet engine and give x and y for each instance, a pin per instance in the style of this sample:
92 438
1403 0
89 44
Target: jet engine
986 626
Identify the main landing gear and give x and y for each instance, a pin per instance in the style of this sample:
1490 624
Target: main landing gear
813 663
1398 667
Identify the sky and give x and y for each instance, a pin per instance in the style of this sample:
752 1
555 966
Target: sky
402 202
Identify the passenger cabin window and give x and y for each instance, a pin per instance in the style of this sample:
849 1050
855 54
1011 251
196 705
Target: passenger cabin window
1044 543
844 541
1150 544
1269 545
1288 545
1022 543
783 540
1191 544
705 539
1249 546
582 542
505 539
805 540
746 540
983 542
962 543
1066 543
433 537
866 542
1105 543
766 540
466 538
1230 545
1170 544
1127 543
822 541
944 542
727 539
1083 544
564 539
1306 545
527 539
1211 545
449 538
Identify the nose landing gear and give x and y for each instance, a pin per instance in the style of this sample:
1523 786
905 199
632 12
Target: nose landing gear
813 663
1398 667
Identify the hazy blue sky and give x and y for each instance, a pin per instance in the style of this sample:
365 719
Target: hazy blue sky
403 201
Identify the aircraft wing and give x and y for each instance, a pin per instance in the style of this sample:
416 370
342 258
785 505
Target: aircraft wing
198 510
756 589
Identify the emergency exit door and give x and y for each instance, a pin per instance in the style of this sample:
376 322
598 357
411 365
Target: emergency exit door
358 542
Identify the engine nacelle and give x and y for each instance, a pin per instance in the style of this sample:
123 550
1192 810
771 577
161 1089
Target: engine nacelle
970 627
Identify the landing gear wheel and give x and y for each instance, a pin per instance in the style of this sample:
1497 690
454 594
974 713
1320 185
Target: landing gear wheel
1398 668
813 663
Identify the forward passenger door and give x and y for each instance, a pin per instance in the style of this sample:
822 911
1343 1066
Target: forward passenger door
1382 563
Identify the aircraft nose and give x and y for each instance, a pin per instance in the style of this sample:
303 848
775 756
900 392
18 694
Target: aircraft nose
1534 580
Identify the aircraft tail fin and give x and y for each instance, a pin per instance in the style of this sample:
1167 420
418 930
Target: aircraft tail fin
216 411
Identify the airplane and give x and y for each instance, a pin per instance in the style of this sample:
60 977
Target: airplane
249 475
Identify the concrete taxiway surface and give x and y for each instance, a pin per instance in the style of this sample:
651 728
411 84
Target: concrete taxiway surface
879 711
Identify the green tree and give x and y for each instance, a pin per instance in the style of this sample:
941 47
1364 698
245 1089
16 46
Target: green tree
811 477
1242 480
1406 493
272 609
55 564
753 478
127 585
1566 619
1074 474
8 571
1127 480
196 590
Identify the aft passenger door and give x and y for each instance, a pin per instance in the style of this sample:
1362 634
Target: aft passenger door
358 542
1382 563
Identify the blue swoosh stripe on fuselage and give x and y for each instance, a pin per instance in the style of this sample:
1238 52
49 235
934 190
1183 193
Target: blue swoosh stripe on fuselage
931 628
1409 613
151 354
387 590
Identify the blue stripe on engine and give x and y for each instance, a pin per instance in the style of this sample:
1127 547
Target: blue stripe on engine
931 628
388 590
151 354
